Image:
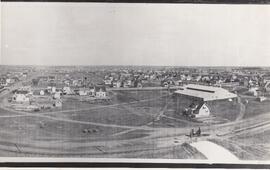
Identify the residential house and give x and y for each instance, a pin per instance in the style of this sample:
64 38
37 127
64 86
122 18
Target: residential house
42 93
57 95
108 82
10 81
21 96
202 110
100 91
57 103
83 92
197 110
67 90
253 91
92 92
267 86
117 84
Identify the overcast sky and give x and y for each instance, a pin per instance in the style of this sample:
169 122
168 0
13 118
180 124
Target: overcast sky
135 34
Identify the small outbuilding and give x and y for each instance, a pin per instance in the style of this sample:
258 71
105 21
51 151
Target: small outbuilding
202 110
42 93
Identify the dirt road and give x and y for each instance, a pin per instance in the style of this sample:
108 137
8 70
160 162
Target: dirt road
242 109
214 152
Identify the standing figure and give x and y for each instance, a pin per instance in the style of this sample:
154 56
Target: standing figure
198 133
191 133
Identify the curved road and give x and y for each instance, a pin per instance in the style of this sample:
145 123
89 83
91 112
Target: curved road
214 152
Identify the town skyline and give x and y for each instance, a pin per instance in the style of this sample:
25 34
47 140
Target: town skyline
127 65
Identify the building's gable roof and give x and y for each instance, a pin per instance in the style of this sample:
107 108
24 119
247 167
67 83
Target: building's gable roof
100 88
207 93
202 104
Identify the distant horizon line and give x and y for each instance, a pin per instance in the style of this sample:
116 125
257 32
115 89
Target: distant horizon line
47 65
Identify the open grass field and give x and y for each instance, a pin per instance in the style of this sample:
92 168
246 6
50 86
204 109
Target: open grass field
243 150
4 113
254 108
225 109
119 116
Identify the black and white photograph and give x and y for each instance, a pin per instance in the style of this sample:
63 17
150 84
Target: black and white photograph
139 82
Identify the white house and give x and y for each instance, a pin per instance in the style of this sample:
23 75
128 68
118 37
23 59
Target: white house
108 82
42 93
267 86
92 92
67 90
21 98
57 95
53 89
58 103
10 81
178 82
197 110
201 111
188 78
117 84
83 92
261 98
100 92
253 91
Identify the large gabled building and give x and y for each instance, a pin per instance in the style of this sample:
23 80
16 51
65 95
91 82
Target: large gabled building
198 100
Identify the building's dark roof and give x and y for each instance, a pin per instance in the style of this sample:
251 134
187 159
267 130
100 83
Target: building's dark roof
100 88
22 92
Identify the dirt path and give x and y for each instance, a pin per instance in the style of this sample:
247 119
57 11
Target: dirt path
258 127
74 121
160 114
214 152
242 110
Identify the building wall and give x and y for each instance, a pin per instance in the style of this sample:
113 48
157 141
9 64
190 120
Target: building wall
182 102
21 98
204 111
100 94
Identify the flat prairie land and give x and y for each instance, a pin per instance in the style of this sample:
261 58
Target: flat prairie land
133 124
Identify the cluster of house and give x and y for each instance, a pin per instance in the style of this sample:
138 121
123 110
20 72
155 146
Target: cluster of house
223 78
73 80
22 95
25 99
257 86
136 77
67 85
44 81
129 78
127 82
10 78
98 91
7 81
